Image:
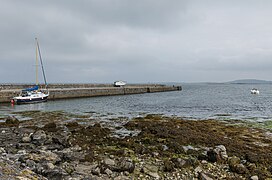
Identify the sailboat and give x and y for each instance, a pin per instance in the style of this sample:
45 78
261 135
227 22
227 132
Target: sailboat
33 94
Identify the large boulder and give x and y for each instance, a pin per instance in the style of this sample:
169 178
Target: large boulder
236 165
217 154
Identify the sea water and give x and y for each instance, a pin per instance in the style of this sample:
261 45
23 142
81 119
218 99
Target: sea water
195 101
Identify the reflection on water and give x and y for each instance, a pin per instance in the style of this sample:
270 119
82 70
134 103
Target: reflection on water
196 101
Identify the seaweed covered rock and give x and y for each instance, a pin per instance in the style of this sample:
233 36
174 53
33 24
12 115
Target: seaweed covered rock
12 120
166 148
119 165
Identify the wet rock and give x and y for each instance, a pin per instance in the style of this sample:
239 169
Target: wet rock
89 156
192 162
26 139
2 150
53 146
11 120
121 165
110 163
76 148
198 170
61 140
222 151
69 155
270 169
142 150
68 168
176 147
155 154
204 176
50 171
236 166
254 178
50 165
251 166
168 166
41 156
108 172
25 146
153 116
153 174
49 140
125 164
54 174
178 162
151 170
96 171
51 127
202 156
218 154
212 156
240 169
38 137
28 174
234 161
164 147
122 177
86 168
31 164
251 157
72 125
191 150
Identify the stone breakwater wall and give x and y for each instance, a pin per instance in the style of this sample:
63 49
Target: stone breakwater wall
75 85
80 91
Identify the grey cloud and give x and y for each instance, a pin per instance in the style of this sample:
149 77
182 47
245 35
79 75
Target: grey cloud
138 41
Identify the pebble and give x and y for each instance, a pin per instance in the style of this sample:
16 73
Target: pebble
108 172
254 178
203 176
26 139
2 150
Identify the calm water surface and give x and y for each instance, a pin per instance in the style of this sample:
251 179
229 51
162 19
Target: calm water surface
195 101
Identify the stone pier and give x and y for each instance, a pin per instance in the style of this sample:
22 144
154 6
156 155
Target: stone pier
65 91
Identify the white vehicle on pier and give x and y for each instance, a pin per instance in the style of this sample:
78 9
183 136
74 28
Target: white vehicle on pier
119 83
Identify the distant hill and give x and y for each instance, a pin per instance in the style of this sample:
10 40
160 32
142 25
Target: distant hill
250 81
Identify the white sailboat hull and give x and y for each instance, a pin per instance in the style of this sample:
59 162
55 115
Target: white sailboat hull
255 91
34 97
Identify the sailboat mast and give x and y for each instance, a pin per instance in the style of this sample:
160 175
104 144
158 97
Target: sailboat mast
39 51
37 64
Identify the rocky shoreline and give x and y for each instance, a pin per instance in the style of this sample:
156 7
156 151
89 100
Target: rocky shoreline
57 145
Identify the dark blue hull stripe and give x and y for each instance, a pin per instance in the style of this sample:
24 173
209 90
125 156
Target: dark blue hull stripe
33 100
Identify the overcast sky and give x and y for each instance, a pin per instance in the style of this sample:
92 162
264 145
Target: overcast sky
97 41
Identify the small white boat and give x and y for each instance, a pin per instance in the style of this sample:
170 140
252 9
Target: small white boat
30 95
254 91
119 83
